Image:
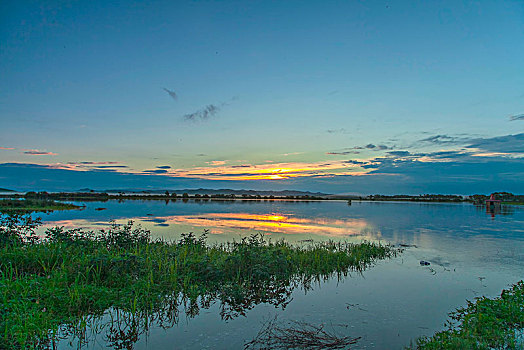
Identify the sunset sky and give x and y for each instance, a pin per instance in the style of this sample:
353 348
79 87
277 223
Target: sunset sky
331 96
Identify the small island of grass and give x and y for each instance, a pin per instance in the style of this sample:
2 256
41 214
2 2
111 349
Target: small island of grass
31 205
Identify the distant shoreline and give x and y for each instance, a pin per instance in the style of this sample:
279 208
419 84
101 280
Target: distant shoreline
506 198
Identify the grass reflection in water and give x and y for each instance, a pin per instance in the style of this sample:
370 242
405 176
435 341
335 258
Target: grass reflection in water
119 282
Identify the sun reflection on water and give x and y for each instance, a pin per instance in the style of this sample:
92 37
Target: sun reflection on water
220 223
238 223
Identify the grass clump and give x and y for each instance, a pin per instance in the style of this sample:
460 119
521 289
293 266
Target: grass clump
486 323
56 286
30 205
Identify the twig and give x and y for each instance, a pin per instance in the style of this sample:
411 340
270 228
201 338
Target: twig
298 335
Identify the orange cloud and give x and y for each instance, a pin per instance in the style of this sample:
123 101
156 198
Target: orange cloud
271 171
217 162
7 148
218 170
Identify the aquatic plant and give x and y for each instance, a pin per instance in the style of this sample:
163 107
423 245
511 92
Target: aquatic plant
486 323
63 284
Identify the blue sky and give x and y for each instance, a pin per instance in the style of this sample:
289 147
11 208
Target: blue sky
269 95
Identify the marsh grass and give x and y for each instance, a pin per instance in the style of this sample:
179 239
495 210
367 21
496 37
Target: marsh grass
59 285
30 205
485 323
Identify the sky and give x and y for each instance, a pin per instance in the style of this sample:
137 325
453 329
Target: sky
331 96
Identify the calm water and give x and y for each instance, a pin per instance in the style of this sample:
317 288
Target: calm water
472 253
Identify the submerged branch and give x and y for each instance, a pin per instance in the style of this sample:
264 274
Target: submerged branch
298 335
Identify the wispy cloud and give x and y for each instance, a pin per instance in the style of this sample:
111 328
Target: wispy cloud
399 153
111 167
357 149
507 143
337 131
292 154
156 171
517 117
207 112
163 167
444 140
343 153
356 162
93 163
217 162
203 114
376 147
171 93
7 148
91 166
35 152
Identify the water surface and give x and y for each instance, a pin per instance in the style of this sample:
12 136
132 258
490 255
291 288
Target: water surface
472 253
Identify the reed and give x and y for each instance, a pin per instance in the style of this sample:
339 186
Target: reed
54 286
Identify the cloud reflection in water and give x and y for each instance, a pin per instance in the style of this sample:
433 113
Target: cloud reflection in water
268 223
234 223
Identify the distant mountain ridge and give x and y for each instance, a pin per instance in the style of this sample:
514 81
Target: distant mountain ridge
213 192
6 190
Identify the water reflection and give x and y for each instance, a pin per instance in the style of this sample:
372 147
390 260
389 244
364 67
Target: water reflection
268 223
494 210
461 241
122 328
242 224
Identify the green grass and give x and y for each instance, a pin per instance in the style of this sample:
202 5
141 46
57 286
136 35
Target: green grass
56 286
486 323
30 205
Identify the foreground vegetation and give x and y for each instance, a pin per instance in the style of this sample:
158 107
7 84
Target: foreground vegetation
62 284
28 205
484 324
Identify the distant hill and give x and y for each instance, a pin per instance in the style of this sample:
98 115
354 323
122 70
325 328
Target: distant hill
225 191
85 190
6 190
